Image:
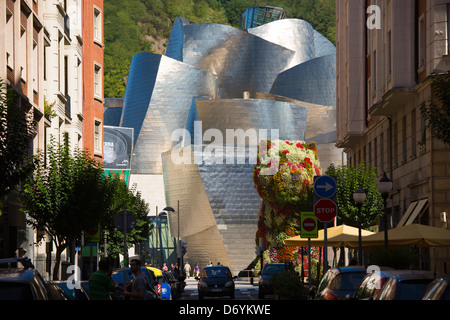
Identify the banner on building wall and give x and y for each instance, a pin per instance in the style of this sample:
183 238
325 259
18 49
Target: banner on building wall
117 148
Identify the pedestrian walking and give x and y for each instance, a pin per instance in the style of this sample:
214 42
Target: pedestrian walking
196 270
138 288
176 270
187 269
100 282
164 268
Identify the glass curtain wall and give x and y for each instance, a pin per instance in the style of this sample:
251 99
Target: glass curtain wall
161 245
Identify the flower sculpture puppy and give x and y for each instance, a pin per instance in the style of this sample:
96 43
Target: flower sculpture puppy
284 177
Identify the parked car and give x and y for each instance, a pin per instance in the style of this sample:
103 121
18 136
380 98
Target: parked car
162 282
406 285
340 282
174 285
438 289
371 285
20 281
216 281
117 276
55 292
269 270
72 292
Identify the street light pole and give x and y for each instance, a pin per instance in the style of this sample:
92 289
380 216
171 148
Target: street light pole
359 196
385 186
178 248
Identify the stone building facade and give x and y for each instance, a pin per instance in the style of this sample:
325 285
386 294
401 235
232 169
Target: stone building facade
387 54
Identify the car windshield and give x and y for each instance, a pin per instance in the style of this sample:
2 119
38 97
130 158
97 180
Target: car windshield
272 269
73 293
349 281
15 291
217 272
117 276
411 290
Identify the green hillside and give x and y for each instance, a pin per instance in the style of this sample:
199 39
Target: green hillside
133 26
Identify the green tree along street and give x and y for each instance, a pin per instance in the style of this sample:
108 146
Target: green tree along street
64 196
16 131
349 178
437 112
69 194
121 197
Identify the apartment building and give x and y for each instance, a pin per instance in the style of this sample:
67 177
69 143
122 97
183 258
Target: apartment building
74 72
93 48
63 73
387 53
51 53
22 38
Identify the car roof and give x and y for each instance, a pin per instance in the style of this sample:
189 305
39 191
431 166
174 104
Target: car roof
215 267
16 274
414 274
361 268
350 269
157 271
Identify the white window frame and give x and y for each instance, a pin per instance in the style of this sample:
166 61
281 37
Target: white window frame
98 145
97 31
9 30
98 78
23 53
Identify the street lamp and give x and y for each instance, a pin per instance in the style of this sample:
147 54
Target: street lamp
385 186
170 209
158 236
359 196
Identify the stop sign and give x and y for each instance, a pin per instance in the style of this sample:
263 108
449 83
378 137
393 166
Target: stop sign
325 210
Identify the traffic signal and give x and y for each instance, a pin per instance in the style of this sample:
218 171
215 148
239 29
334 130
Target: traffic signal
183 248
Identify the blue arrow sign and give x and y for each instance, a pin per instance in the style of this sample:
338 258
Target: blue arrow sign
325 187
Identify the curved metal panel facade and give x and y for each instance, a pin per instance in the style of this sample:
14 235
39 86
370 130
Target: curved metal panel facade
239 60
173 85
218 208
174 47
294 34
141 81
313 81
253 114
285 69
322 45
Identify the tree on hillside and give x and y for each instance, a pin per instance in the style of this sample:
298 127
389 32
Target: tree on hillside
65 196
133 26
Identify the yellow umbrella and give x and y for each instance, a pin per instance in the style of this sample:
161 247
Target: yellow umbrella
417 235
340 236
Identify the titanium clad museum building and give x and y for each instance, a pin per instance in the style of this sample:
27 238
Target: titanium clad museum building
189 106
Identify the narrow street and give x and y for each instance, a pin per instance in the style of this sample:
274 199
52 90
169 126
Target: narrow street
244 290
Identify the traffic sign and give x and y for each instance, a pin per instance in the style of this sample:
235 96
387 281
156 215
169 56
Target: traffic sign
325 186
308 225
125 221
325 210
92 235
